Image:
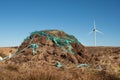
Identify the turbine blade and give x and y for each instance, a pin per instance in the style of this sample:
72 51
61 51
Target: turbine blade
99 32
94 26
90 32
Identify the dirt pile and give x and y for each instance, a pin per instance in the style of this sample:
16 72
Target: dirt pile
52 47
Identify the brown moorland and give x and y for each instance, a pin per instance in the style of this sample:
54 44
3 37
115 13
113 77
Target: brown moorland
103 63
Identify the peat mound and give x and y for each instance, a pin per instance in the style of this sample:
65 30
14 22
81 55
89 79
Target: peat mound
51 46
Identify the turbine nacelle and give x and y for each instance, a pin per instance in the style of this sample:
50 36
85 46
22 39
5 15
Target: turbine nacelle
94 30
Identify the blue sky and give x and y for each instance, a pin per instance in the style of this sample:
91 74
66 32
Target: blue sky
18 18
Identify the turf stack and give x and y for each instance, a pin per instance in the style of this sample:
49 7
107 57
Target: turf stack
51 46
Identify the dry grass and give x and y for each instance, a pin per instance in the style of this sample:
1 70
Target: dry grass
107 58
6 50
13 72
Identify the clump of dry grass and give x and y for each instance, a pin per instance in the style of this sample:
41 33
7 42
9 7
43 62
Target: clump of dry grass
1 54
12 72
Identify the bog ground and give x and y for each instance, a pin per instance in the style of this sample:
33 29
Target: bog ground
104 65
56 55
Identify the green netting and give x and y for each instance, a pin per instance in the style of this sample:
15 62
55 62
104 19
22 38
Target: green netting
58 64
27 38
34 47
82 65
61 41
41 33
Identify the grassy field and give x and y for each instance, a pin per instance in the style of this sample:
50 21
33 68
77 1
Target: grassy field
104 64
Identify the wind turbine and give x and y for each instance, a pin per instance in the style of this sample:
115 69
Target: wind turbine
94 30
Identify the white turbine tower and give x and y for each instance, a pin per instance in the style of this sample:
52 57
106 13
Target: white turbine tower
94 31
